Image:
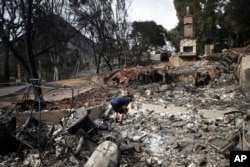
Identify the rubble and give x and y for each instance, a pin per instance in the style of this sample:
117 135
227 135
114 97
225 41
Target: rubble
35 134
80 120
193 117
105 155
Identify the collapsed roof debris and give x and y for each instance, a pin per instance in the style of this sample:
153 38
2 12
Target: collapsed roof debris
185 116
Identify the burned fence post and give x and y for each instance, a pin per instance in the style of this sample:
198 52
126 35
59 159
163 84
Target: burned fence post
38 94
38 101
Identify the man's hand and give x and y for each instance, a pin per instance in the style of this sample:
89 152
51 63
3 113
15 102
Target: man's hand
125 110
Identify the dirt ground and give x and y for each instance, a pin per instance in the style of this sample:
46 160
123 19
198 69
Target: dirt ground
88 91
53 92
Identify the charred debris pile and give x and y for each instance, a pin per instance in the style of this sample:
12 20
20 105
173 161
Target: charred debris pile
180 116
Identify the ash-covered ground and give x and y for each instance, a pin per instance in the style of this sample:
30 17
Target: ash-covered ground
168 124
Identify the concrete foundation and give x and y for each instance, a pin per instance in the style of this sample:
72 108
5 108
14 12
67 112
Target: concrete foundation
55 116
182 76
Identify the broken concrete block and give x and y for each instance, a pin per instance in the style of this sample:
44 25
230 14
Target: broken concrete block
197 135
131 146
107 154
192 165
96 111
108 110
73 160
81 120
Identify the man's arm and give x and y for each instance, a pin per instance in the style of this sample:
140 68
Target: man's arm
125 109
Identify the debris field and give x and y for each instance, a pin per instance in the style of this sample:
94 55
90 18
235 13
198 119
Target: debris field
188 116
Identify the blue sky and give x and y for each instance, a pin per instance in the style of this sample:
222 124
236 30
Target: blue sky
160 11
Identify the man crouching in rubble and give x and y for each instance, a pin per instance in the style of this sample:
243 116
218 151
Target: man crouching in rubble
119 105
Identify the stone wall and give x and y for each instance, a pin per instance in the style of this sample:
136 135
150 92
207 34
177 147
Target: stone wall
177 61
244 78
182 76
188 43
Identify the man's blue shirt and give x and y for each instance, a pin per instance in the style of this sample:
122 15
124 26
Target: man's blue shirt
121 101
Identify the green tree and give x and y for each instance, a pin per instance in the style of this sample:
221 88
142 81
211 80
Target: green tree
146 35
238 12
150 34
174 36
